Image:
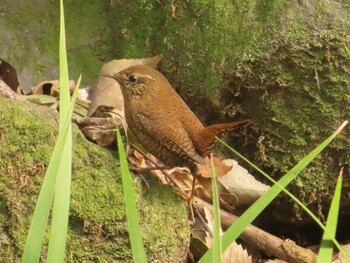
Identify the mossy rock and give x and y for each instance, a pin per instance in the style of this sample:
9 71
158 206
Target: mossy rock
281 63
97 223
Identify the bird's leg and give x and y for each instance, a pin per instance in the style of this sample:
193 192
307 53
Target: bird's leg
194 172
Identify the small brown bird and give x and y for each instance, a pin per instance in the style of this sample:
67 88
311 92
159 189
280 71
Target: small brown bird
163 123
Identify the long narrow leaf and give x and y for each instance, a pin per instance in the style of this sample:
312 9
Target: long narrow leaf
137 247
217 246
254 210
326 249
295 199
38 224
64 79
60 213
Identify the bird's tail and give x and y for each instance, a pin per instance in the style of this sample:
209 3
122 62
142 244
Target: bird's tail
208 134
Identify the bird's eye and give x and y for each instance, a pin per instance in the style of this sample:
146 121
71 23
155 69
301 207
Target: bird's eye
132 79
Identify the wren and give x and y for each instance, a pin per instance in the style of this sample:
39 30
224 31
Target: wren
163 123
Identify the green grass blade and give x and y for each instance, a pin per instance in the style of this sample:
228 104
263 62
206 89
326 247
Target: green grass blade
347 50
60 212
326 250
64 79
254 210
137 247
293 197
217 246
38 224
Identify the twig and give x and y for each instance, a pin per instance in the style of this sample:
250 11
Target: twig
205 224
283 249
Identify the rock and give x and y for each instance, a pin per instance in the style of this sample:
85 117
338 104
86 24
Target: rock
97 226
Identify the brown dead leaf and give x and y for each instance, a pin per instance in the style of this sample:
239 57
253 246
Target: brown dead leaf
50 87
234 253
221 168
240 183
339 258
183 179
100 130
7 92
204 191
8 74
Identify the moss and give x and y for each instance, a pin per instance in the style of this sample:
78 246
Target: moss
97 230
196 38
36 28
305 98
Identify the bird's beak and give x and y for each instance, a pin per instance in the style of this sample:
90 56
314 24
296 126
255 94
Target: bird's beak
114 76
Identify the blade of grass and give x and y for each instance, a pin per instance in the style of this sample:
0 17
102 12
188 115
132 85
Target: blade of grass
293 197
217 246
138 250
64 79
60 211
347 50
254 210
35 237
326 249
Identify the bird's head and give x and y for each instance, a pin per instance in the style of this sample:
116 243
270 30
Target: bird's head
136 80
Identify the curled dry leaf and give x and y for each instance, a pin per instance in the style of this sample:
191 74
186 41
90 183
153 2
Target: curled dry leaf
227 200
234 253
8 74
339 257
221 167
107 92
100 130
47 93
51 87
183 179
7 92
239 182
275 261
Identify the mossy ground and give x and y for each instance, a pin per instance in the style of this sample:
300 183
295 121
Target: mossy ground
97 230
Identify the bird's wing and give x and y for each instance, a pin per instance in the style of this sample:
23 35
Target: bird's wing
172 136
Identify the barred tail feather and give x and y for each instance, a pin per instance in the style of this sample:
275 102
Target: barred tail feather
208 134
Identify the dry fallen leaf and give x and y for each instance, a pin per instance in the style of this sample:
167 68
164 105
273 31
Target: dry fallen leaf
50 87
227 200
243 185
339 256
7 92
221 167
275 261
234 253
99 130
8 74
